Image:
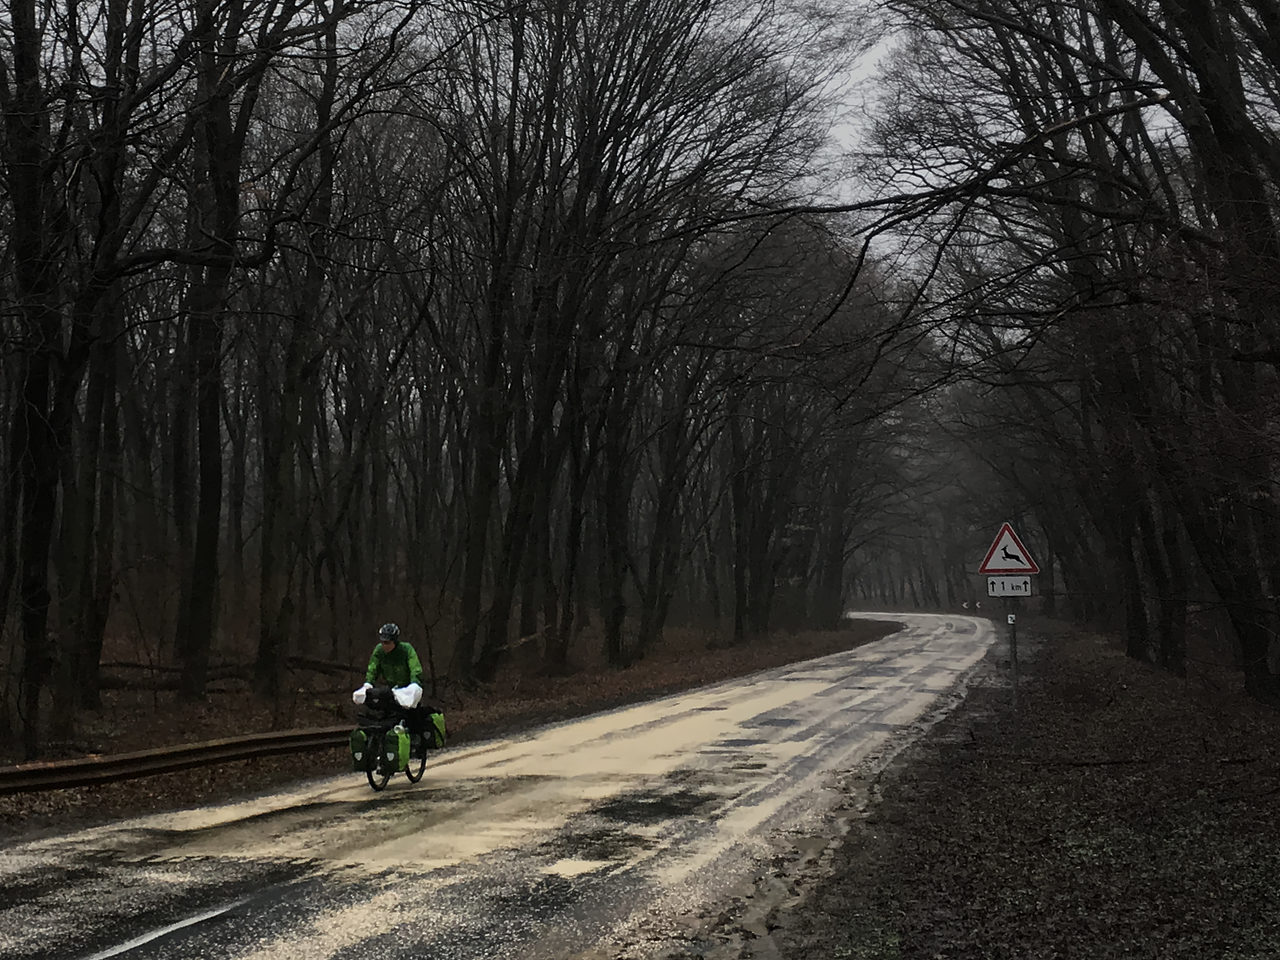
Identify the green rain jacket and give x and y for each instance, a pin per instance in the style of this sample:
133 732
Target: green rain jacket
399 668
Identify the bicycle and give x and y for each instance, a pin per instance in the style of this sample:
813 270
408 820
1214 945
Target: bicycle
376 744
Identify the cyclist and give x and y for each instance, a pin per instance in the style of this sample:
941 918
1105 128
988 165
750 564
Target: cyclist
395 663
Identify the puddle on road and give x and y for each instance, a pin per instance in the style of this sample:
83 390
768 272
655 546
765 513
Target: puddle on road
596 844
539 900
40 880
651 807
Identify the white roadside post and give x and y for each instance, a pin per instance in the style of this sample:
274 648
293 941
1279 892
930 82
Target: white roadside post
1009 568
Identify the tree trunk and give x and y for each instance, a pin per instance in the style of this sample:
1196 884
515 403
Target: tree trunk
35 268
199 612
282 529
614 520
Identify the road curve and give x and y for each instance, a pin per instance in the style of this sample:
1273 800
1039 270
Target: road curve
597 837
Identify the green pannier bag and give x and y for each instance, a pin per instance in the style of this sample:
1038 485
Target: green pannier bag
395 745
358 747
437 730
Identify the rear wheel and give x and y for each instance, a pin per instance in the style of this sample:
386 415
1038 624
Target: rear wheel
376 767
417 757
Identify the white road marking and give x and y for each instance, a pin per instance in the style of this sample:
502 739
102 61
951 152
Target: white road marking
165 931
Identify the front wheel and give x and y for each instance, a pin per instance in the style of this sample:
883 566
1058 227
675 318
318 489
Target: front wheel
376 767
417 757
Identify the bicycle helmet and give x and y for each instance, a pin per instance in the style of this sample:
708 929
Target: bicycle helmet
389 633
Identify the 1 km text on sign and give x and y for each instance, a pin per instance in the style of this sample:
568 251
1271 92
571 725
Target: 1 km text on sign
1009 586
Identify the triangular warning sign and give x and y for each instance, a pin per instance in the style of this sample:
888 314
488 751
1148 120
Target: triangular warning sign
1008 555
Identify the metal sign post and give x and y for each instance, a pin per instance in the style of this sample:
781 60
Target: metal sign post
1013 654
1009 568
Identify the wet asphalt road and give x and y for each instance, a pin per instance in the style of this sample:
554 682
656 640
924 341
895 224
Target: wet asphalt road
595 838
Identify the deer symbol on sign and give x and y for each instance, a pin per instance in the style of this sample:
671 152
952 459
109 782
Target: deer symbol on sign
1004 552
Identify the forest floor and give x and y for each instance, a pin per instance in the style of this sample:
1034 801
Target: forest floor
1119 813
